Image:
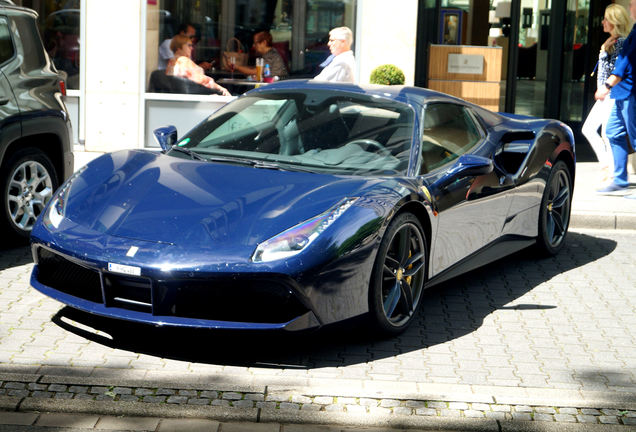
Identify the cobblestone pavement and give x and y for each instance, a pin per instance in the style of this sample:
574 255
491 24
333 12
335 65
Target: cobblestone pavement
521 339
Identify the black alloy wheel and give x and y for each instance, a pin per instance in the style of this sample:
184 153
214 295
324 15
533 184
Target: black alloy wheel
554 215
398 275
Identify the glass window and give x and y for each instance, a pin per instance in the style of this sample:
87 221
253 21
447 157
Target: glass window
321 16
299 34
309 130
59 23
449 132
6 45
253 116
532 64
574 51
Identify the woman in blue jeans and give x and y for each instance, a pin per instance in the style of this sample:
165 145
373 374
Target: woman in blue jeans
622 121
616 22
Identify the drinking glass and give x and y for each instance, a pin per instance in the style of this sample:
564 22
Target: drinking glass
259 69
232 63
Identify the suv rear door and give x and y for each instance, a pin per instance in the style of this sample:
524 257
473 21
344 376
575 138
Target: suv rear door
10 128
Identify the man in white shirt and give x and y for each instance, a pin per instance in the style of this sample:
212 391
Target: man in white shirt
343 66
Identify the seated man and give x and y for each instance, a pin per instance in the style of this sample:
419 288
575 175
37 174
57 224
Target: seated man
343 66
264 48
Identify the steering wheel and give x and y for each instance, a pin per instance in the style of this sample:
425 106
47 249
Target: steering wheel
371 143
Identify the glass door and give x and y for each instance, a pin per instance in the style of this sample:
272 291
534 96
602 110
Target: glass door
532 57
575 46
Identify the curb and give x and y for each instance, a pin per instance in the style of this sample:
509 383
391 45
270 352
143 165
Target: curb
322 402
307 418
604 221
349 388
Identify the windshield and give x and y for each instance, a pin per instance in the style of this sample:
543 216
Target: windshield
312 130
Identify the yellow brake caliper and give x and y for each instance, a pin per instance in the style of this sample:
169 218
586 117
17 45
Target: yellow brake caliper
408 278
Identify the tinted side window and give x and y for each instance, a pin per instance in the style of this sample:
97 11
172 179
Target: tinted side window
449 132
6 45
31 42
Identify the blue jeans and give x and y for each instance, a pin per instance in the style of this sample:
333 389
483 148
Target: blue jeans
621 124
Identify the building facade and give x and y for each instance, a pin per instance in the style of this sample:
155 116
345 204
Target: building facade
109 49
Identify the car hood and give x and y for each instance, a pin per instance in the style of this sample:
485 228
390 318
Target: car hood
152 197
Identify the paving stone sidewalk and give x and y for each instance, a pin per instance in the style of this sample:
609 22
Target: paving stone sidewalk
550 340
593 211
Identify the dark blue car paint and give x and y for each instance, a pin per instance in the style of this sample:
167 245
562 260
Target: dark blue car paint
212 221
199 219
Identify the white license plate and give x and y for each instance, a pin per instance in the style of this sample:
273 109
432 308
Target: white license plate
125 269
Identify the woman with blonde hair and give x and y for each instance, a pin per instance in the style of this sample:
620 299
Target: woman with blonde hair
617 23
181 65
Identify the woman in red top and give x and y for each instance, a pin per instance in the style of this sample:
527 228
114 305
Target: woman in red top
181 65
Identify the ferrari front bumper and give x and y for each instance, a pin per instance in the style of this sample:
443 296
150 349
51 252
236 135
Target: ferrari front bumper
238 301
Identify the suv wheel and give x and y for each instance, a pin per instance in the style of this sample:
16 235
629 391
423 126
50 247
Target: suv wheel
27 182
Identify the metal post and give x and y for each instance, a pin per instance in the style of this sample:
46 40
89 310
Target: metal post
513 57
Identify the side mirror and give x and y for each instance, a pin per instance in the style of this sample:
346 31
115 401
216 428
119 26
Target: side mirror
467 165
166 137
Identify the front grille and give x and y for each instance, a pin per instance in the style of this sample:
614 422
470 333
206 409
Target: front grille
263 300
68 277
128 292
242 299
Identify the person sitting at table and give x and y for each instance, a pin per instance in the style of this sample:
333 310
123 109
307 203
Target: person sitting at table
343 65
181 65
165 53
263 45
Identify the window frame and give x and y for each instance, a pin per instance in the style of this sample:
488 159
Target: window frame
472 117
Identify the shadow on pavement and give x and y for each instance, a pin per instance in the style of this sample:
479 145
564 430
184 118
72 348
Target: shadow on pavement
449 311
14 254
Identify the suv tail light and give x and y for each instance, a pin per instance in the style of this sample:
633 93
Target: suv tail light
62 87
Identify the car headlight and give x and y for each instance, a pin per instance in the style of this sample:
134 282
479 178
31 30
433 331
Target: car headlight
57 210
294 240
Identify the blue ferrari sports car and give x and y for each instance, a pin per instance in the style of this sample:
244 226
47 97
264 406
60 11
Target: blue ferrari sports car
301 204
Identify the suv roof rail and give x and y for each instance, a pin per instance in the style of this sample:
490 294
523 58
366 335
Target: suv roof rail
9 2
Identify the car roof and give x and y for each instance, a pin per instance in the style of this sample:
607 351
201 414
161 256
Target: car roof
398 92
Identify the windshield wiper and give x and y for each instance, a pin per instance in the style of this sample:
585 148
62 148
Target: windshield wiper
225 159
265 165
248 162
189 152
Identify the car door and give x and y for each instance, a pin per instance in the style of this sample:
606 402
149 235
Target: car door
471 207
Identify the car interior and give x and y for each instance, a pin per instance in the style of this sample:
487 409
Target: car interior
449 132
336 132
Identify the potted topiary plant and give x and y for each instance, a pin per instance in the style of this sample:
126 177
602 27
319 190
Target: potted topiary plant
387 74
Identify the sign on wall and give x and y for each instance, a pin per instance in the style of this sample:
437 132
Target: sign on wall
466 64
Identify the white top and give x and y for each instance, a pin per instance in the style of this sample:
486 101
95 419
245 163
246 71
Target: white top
341 69
165 54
